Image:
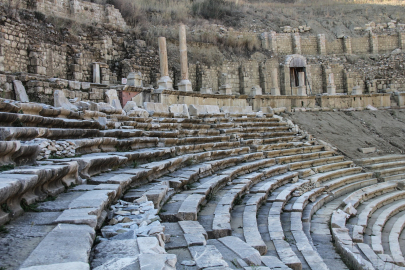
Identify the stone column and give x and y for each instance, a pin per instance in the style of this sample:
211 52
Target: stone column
165 82
302 89
321 40
2 41
296 43
184 84
96 73
373 43
357 89
347 45
265 40
331 87
401 37
225 88
275 90
273 41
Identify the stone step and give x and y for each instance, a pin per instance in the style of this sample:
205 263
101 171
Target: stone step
369 192
306 198
375 260
286 192
18 154
65 244
336 183
376 238
322 177
352 187
390 171
287 255
376 204
394 245
312 163
386 165
250 255
278 146
332 166
376 160
393 177
30 133
349 252
274 263
193 140
250 227
252 119
291 151
207 257
303 157
275 181
267 135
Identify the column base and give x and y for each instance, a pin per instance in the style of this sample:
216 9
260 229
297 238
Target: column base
165 83
302 91
185 85
225 90
331 90
275 91
357 90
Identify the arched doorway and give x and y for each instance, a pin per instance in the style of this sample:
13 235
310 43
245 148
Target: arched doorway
296 69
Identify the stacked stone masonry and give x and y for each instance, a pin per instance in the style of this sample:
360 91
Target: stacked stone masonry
193 187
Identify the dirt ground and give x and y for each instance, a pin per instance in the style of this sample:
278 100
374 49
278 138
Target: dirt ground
349 131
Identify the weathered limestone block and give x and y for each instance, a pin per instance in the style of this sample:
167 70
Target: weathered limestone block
179 110
61 101
66 243
256 91
157 109
112 99
158 261
31 108
207 257
20 93
9 106
7 149
201 110
134 79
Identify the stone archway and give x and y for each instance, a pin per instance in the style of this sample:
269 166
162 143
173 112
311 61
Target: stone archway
295 73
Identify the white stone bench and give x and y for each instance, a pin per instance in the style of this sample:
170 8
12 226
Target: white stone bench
349 253
157 109
352 187
285 194
376 261
305 198
322 177
205 111
302 157
386 165
208 257
376 204
267 135
314 162
395 247
293 151
378 226
250 255
74 243
376 160
369 192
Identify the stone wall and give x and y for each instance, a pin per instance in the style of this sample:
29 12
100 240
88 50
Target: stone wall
82 11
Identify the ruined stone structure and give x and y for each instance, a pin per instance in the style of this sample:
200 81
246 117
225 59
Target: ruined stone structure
110 159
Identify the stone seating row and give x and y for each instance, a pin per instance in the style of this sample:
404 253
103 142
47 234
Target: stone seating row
395 247
16 153
343 239
34 184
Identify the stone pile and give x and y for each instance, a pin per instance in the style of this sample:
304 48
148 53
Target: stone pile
54 149
136 226
299 29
